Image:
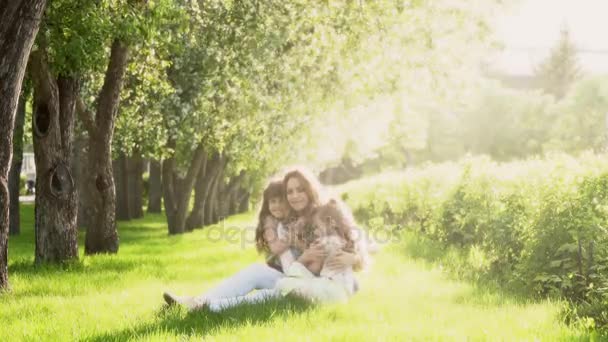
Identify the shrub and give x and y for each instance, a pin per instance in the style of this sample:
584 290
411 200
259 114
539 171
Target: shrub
539 226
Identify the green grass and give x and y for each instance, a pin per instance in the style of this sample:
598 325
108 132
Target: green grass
118 297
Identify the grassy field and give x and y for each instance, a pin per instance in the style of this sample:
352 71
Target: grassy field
118 297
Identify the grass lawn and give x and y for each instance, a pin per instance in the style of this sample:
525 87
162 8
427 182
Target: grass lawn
118 297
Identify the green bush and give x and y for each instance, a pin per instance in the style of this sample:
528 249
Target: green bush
538 226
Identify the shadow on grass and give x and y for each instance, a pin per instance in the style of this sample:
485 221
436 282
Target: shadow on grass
28 267
485 291
202 323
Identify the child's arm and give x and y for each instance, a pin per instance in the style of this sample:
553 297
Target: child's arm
356 257
343 258
276 245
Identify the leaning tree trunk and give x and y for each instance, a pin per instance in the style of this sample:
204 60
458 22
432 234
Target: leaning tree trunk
56 204
176 191
154 187
101 235
20 22
135 170
14 176
120 169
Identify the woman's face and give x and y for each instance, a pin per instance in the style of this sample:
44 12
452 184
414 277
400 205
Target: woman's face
296 195
277 207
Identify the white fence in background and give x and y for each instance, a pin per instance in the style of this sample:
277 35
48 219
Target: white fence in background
28 166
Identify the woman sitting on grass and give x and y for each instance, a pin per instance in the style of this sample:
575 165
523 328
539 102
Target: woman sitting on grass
302 195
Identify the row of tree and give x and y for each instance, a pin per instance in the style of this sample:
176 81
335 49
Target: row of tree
216 94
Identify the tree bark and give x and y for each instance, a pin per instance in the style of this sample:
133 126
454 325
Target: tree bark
135 170
220 208
243 201
204 182
176 190
79 171
211 200
154 187
20 22
56 204
121 181
230 194
101 235
232 202
14 177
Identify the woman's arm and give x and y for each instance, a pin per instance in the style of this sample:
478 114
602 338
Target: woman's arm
275 244
313 257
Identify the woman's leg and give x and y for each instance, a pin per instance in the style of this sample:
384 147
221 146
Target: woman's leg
254 277
259 296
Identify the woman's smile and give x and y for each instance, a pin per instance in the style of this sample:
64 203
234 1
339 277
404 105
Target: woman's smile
296 195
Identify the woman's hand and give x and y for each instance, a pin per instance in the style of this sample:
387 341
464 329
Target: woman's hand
315 253
341 260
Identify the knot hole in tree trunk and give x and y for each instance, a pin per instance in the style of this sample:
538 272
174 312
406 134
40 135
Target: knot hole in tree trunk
42 120
101 183
61 182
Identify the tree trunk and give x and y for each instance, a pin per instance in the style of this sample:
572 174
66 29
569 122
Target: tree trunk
196 219
135 170
53 132
230 195
154 187
176 191
120 169
210 193
210 202
221 208
14 176
243 201
101 235
20 21
79 171
233 204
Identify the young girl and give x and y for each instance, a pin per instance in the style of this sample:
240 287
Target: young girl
271 236
333 230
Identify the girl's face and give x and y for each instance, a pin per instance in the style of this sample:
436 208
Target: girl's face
277 207
296 195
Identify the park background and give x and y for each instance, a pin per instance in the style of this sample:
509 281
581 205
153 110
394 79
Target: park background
468 137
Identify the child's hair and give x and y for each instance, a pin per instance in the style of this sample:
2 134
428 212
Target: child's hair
335 220
274 189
